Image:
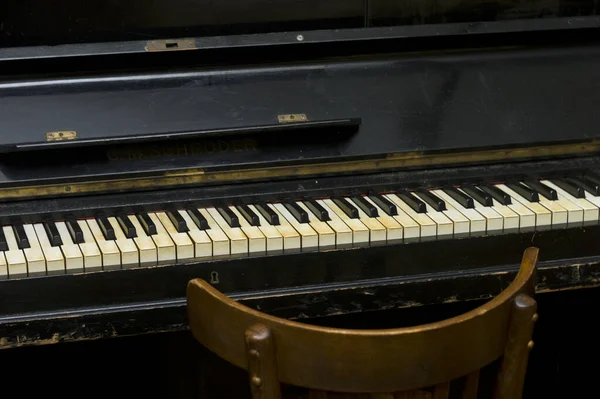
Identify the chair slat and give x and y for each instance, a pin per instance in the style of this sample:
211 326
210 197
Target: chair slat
441 391
471 386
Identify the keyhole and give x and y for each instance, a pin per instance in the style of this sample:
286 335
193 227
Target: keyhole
214 278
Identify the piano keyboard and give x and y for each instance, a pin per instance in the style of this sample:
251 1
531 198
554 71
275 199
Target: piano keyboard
173 236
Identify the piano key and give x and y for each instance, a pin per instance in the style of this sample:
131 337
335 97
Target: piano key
126 226
348 231
20 236
394 230
52 233
574 212
477 223
248 214
309 237
269 214
593 188
291 238
184 248
3 266
524 191
296 211
178 221
275 240
15 258
329 236
366 229
573 190
198 219
427 227
541 188
106 228
92 257
228 216
111 256
346 207
594 199
594 179
412 201
432 200
130 257
526 215
477 194
384 204
363 205
36 261
543 216
458 196
3 243
237 238
74 262
148 252
203 245
461 224
146 223
510 219
494 223
444 226
166 250
75 231
257 242
55 261
590 211
317 210
498 195
221 243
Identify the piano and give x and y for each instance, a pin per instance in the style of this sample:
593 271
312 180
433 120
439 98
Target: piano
305 157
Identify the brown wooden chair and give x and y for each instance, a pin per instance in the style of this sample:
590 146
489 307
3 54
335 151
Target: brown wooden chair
392 363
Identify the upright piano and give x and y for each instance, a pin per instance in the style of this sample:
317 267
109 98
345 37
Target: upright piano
306 157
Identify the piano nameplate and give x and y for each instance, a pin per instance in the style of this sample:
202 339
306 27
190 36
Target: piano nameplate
61 136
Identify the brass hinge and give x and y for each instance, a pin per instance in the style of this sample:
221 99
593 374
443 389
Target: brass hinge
292 118
171 45
61 136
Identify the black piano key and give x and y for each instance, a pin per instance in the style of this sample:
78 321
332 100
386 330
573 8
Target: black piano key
269 214
318 210
75 231
592 177
106 228
524 191
587 184
127 227
229 216
574 190
366 206
248 214
178 221
52 233
496 193
198 218
432 200
411 200
21 236
386 205
478 195
147 223
463 199
3 242
346 207
297 211
544 190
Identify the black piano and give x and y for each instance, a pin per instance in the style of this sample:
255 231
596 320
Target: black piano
306 157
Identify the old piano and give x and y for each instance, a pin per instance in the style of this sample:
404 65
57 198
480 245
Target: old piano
306 157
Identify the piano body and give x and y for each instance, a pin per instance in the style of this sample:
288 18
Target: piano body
306 157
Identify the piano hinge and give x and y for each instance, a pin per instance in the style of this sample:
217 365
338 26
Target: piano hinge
292 118
61 136
171 45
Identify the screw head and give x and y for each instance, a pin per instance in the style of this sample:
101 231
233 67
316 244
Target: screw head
256 381
300 38
530 345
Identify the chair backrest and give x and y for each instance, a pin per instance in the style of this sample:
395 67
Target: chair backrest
276 350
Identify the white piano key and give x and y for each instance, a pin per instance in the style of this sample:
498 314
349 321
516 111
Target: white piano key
309 237
273 239
477 223
257 242
445 227
560 215
574 212
394 230
543 217
15 258
526 215
359 233
36 261
237 238
291 238
221 243
55 262
411 230
592 198
73 257
329 235
377 233
166 250
590 211
144 243
511 218
203 245
184 248
130 257
462 225
427 227
111 256
494 221
92 256
3 267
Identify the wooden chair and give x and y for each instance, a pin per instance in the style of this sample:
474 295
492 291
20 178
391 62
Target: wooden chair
393 363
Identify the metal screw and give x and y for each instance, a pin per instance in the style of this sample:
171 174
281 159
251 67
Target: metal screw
535 318
530 345
256 381
299 38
